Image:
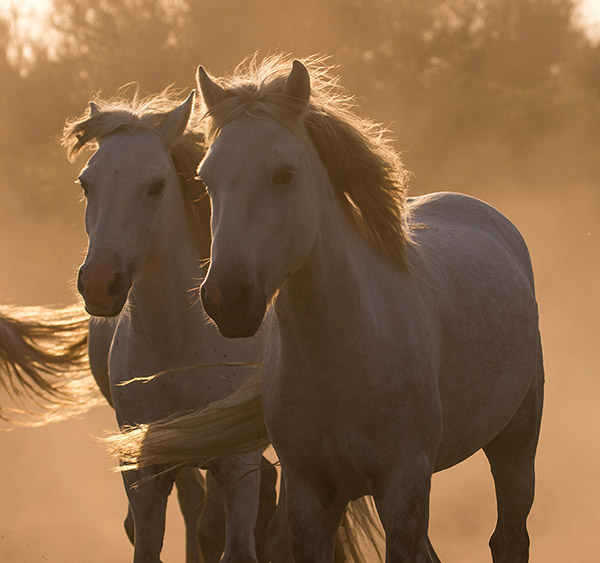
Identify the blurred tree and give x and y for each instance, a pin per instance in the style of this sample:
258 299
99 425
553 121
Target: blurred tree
482 81
107 43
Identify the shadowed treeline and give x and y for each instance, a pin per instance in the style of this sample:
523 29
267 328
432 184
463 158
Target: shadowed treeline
496 98
503 84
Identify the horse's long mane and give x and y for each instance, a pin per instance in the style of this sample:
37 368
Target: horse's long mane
366 172
134 112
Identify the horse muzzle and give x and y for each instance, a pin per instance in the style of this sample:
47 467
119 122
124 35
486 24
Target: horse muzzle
104 289
237 308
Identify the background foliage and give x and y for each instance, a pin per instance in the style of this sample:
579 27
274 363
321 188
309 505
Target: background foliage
507 85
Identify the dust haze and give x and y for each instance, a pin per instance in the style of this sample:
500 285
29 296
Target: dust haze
494 98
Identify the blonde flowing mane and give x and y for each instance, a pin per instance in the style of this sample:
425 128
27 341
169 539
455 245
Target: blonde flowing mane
136 113
366 172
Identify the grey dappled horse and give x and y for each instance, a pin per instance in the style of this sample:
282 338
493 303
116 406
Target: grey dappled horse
406 328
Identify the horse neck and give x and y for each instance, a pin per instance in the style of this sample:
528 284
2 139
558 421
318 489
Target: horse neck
333 278
162 296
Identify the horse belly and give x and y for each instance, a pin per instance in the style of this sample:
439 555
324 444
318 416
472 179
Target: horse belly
487 370
478 268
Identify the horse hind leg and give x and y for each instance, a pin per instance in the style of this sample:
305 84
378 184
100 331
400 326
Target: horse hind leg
191 495
511 456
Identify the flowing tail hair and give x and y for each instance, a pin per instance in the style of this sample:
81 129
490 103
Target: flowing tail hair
360 537
233 425
44 366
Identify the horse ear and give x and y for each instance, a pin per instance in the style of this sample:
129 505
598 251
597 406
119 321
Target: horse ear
212 93
298 84
94 109
176 121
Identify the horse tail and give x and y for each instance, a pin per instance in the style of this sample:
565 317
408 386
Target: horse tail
360 537
232 425
44 366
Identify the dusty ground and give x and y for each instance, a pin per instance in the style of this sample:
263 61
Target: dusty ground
61 503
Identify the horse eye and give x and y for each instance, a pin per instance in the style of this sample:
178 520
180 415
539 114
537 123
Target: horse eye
157 187
284 177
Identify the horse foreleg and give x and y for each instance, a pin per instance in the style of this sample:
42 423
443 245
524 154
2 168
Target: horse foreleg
211 527
404 512
238 478
511 455
280 548
191 494
148 503
312 526
266 509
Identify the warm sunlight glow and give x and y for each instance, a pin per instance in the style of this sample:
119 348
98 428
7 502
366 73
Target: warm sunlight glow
24 4
34 8
496 99
28 15
31 10
590 16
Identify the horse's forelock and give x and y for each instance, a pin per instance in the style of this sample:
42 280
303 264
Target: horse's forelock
110 116
365 170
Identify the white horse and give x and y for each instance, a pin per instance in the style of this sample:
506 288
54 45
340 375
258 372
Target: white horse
148 230
407 328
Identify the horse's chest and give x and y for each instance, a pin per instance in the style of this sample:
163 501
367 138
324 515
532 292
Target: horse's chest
181 384
334 434
334 464
352 418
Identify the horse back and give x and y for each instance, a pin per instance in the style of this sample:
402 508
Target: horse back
467 221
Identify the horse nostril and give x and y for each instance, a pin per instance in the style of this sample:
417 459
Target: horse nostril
117 285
